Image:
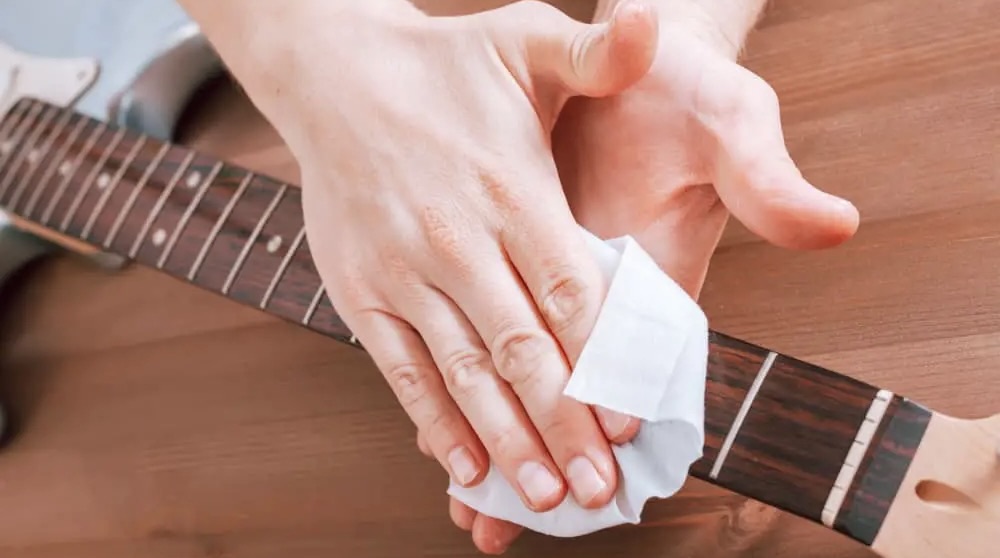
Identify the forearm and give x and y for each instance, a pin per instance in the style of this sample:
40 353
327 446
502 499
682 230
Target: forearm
725 22
256 38
271 48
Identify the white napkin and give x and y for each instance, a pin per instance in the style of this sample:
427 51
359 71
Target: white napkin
646 357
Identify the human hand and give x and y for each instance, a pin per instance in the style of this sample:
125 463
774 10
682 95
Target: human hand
697 139
668 159
438 224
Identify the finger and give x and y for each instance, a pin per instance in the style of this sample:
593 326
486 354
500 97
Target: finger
567 287
561 278
618 427
527 357
423 446
404 360
489 404
684 236
494 536
461 515
592 59
763 188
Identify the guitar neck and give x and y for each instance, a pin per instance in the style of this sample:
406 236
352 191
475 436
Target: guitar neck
790 434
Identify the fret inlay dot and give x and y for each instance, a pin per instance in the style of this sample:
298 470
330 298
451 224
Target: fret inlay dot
274 244
6 147
65 167
33 156
193 179
103 180
159 237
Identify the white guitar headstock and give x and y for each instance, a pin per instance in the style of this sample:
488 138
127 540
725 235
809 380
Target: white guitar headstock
59 81
948 504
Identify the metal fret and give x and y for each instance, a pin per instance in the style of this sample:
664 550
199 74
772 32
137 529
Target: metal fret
218 226
26 181
734 430
26 149
59 161
863 438
281 268
77 163
10 123
253 238
160 202
85 187
11 144
313 305
187 215
127 207
103 200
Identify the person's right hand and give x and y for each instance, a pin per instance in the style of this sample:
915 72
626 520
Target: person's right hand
437 221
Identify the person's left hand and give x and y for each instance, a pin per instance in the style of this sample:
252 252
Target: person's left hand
698 139
666 162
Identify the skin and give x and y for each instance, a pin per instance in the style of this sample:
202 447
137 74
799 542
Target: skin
443 221
697 140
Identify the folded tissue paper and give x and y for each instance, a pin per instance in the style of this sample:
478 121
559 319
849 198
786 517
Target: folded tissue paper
646 357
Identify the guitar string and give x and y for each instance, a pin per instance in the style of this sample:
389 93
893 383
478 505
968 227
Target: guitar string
61 158
23 128
12 119
77 164
248 245
45 151
164 196
126 208
112 185
29 153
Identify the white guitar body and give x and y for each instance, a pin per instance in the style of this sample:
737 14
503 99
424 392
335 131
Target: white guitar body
134 63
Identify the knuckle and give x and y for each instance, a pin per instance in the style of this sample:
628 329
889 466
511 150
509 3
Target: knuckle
498 190
519 353
398 268
446 240
564 301
409 382
463 372
348 288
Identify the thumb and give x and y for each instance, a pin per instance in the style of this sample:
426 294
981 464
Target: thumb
596 59
761 186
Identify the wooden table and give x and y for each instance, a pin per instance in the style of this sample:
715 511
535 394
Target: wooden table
157 420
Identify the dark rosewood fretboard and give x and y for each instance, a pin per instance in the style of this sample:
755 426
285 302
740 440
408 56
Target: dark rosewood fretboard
809 441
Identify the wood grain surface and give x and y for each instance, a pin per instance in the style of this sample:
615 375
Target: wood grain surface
154 419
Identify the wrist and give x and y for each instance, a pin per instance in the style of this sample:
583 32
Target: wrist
250 35
269 32
270 47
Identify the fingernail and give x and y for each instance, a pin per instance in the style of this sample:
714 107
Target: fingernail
463 466
615 424
537 482
584 480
